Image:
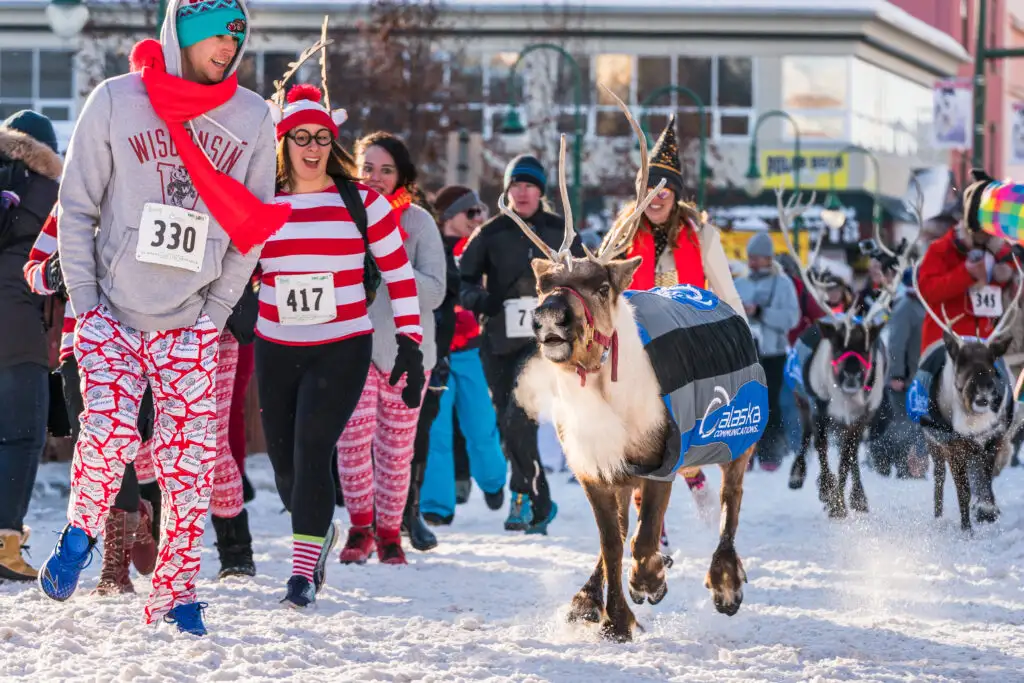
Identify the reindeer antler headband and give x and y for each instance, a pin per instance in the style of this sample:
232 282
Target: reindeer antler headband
618 238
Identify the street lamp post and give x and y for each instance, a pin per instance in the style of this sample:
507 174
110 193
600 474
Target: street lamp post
833 205
755 182
514 126
161 11
982 54
701 129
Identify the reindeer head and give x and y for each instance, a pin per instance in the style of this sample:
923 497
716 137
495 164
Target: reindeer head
574 322
979 385
853 351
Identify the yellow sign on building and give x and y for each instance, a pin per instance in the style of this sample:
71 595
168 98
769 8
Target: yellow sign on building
735 243
777 169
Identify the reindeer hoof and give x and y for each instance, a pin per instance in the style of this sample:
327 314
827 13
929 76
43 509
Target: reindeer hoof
797 475
725 579
647 581
667 561
859 502
658 595
986 513
826 485
637 596
583 608
618 633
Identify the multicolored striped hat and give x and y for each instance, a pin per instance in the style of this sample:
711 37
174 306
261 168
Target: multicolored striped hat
995 207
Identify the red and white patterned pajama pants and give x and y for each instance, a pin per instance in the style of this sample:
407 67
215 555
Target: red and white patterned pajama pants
115 362
375 453
227 479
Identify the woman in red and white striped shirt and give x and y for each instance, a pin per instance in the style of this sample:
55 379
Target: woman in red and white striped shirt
315 340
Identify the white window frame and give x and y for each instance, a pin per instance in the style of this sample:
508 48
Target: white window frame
35 101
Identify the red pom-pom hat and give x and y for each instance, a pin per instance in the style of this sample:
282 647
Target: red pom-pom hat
304 106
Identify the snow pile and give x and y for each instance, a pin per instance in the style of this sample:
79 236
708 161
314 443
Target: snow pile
891 596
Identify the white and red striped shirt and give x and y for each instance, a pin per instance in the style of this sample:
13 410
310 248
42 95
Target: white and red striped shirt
320 237
34 268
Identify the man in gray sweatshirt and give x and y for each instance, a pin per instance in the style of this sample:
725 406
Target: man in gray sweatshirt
155 251
769 298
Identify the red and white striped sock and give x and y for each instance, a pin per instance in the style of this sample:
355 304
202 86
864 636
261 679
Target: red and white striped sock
305 551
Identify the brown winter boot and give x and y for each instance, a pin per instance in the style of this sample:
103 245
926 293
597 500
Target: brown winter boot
13 566
118 532
143 545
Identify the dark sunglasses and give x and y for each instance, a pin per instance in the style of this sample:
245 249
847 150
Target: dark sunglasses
302 138
475 212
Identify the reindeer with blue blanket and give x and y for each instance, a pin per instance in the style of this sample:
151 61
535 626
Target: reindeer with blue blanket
640 384
838 369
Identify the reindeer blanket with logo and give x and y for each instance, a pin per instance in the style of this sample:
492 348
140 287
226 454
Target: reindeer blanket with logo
705 361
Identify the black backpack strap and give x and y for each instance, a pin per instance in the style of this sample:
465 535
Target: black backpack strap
354 203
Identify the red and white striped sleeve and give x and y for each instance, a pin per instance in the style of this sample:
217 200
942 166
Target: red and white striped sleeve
389 252
42 249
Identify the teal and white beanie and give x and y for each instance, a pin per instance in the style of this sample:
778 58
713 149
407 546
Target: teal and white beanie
202 19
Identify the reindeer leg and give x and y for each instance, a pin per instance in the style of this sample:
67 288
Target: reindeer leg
847 451
798 474
647 574
588 603
858 497
725 577
983 501
619 620
958 471
826 482
939 474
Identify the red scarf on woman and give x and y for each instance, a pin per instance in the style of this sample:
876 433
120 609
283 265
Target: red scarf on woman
685 253
400 200
246 220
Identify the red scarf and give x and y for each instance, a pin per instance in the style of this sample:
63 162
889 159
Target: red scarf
400 201
685 253
247 221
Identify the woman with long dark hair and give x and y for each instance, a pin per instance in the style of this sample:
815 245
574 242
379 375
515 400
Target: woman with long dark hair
376 448
315 338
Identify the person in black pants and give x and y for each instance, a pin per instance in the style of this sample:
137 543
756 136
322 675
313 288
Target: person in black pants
502 254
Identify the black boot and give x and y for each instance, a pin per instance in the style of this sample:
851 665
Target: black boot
420 536
248 492
234 545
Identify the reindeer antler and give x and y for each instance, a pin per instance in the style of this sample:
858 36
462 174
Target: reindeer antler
787 213
279 94
620 237
323 63
1010 314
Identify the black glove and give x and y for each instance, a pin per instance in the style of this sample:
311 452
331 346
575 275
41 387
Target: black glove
242 321
53 278
409 362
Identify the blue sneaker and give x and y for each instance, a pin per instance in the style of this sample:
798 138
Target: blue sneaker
59 576
189 618
542 526
519 513
301 593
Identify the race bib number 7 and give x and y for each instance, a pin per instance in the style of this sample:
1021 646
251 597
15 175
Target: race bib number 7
987 301
172 236
305 299
519 317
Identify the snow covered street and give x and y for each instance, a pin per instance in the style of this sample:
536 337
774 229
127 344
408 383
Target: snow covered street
892 596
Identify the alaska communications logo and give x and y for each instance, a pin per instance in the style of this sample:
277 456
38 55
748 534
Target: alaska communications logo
726 419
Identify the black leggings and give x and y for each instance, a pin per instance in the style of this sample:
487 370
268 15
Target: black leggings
127 498
518 431
307 394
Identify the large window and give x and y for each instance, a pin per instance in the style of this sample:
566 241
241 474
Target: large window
725 85
890 112
816 91
42 80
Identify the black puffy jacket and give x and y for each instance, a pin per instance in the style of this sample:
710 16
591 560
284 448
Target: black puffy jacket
31 170
500 251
